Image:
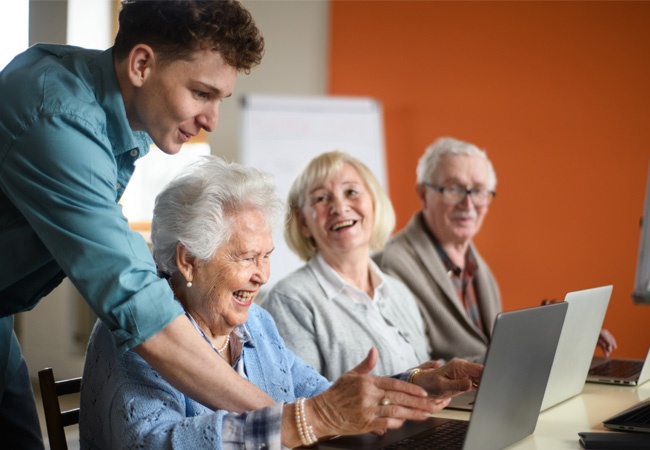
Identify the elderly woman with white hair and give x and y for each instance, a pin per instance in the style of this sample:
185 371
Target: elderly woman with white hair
339 304
212 239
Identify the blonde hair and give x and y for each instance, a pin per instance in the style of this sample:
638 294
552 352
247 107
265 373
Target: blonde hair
319 170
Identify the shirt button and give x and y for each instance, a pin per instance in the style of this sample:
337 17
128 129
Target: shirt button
119 186
134 152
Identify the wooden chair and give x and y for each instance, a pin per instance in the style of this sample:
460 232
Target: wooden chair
55 419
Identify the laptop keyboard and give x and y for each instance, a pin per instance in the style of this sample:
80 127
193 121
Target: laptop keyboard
449 435
617 368
639 417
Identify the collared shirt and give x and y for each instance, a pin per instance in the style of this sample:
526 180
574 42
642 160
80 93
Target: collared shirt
462 279
66 154
402 353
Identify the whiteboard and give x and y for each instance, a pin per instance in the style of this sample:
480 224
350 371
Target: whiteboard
281 134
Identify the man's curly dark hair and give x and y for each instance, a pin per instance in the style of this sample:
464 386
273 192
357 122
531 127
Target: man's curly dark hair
175 29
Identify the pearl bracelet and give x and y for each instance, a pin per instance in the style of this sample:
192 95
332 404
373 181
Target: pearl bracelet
305 431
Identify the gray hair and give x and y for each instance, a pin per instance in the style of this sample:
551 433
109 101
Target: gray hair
428 163
195 208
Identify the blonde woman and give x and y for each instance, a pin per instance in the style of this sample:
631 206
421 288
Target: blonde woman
339 304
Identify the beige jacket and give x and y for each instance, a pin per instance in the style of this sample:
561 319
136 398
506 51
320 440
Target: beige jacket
411 256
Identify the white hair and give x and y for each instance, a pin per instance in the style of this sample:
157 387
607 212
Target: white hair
195 208
428 163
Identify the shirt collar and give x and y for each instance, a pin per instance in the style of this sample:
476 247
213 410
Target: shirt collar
470 260
242 333
333 284
109 96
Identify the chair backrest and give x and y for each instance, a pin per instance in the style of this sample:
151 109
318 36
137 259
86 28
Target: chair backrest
55 419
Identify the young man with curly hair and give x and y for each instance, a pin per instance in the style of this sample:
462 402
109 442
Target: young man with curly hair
72 124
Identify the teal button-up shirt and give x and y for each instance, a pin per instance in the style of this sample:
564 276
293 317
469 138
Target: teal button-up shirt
66 154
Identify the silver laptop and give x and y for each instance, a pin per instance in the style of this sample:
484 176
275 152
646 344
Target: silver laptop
511 390
582 325
579 337
626 371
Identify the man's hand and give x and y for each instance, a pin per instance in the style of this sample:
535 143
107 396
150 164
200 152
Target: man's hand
453 378
606 342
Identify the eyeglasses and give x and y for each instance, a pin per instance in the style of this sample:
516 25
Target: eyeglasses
453 195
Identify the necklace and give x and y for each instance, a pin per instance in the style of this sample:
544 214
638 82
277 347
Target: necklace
224 345
198 328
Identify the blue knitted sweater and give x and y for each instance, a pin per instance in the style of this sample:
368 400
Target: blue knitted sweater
125 403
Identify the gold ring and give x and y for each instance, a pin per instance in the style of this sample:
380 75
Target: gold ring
385 401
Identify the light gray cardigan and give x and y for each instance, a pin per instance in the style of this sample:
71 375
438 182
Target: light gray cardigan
411 256
331 334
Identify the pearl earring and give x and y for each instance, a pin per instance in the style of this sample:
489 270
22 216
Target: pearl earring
189 284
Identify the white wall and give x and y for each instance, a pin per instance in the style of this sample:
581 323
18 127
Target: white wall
54 333
14 34
294 63
295 59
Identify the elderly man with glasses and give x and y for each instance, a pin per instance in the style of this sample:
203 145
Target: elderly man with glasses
434 255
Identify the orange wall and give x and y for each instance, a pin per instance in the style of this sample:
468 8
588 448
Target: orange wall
558 93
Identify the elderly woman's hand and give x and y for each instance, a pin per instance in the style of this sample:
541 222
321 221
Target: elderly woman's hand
453 378
356 403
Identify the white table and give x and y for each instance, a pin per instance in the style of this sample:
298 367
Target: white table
558 427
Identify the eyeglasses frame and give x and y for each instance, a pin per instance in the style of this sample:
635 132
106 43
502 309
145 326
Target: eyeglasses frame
441 190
